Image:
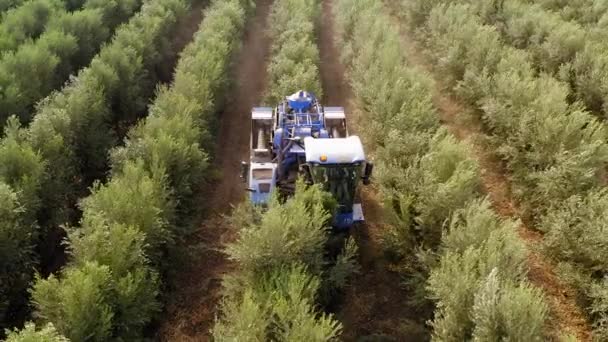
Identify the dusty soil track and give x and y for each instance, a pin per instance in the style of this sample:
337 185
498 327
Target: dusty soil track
566 315
193 309
183 35
375 305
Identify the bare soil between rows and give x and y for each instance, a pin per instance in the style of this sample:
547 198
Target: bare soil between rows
375 307
194 305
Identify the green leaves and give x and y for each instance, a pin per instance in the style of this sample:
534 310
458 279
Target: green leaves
27 21
16 250
280 307
281 271
446 243
68 42
289 233
29 334
78 304
295 61
479 285
129 224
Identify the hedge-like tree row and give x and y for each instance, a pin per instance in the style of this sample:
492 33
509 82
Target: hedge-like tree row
574 53
295 61
553 148
46 166
111 286
69 41
26 22
586 12
282 273
571 52
555 152
8 4
445 240
30 334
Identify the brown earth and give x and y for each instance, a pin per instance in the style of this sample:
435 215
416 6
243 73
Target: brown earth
566 316
192 311
374 306
182 36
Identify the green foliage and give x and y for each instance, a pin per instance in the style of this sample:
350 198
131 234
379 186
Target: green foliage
30 334
478 284
69 41
396 96
21 172
575 236
551 40
126 298
552 147
133 198
278 307
131 222
8 4
79 304
244 319
424 174
590 72
583 11
552 150
281 270
21 167
295 56
16 250
425 194
72 128
277 239
26 22
575 231
460 42
474 262
345 267
177 133
516 313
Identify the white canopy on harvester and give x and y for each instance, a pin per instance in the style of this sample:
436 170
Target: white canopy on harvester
334 151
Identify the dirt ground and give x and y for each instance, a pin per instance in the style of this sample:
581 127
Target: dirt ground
183 35
375 307
566 315
192 311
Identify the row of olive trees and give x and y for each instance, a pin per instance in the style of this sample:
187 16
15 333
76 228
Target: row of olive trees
35 67
586 12
445 241
555 151
25 22
552 148
295 61
568 50
45 167
282 271
111 287
30 334
8 4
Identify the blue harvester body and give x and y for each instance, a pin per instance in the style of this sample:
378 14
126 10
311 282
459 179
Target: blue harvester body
300 138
